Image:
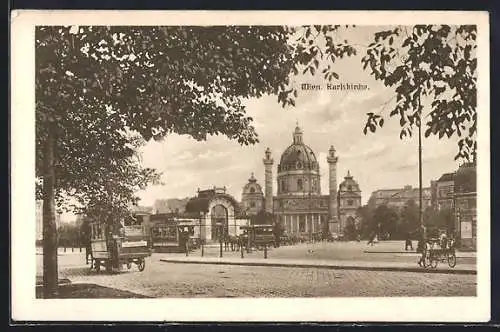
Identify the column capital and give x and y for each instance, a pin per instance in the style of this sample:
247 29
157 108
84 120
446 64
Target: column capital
332 160
268 160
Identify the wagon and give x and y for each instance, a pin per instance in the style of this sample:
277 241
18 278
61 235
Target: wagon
111 249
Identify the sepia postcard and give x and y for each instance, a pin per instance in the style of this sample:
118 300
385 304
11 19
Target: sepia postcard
277 166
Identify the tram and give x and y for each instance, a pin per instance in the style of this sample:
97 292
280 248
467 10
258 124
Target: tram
112 249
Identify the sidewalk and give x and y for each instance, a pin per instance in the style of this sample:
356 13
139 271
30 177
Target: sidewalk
61 252
327 264
459 254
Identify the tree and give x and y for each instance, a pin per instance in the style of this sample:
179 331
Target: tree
365 214
429 62
439 219
101 90
409 217
350 232
386 219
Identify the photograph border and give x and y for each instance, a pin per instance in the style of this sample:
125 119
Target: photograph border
26 307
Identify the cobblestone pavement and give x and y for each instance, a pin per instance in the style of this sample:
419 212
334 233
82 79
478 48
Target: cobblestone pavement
188 280
386 251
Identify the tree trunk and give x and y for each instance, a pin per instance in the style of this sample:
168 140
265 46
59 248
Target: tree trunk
50 272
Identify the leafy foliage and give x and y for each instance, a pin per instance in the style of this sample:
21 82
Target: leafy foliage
410 217
434 63
107 88
386 220
438 219
350 231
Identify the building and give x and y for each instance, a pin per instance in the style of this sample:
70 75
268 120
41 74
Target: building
216 212
444 191
252 197
349 198
465 206
299 205
172 205
397 198
457 192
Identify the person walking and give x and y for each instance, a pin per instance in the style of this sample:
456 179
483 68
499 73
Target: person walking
408 242
422 246
371 241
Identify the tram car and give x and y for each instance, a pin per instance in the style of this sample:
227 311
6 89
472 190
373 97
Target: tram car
170 234
112 249
258 236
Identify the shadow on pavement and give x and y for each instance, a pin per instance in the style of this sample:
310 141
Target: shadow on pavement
85 271
83 291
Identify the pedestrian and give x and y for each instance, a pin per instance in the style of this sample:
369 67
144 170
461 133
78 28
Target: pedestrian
422 246
372 239
443 239
408 242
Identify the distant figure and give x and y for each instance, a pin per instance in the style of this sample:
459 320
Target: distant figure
443 240
422 246
408 242
88 252
371 241
87 239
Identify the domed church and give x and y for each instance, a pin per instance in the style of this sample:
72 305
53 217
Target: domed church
299 205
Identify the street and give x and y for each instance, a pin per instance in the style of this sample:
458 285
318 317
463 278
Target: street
161 279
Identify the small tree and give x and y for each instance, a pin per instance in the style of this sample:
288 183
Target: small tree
367 224
409 218
350 232
439 219
386 218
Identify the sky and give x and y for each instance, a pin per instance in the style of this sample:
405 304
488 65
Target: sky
327 117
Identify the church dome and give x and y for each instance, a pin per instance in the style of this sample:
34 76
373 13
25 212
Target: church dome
298 156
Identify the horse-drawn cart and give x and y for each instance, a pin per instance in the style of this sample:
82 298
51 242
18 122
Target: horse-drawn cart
113 249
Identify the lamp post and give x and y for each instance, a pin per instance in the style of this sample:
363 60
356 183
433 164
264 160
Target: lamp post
220 238
421 219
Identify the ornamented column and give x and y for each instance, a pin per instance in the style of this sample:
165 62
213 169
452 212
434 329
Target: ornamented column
268 170
332 202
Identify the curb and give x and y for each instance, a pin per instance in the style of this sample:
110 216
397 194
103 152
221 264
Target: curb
331 267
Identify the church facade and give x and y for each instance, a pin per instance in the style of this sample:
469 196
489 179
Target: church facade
299 205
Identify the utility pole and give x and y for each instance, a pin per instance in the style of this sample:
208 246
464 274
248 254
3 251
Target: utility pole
421 219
